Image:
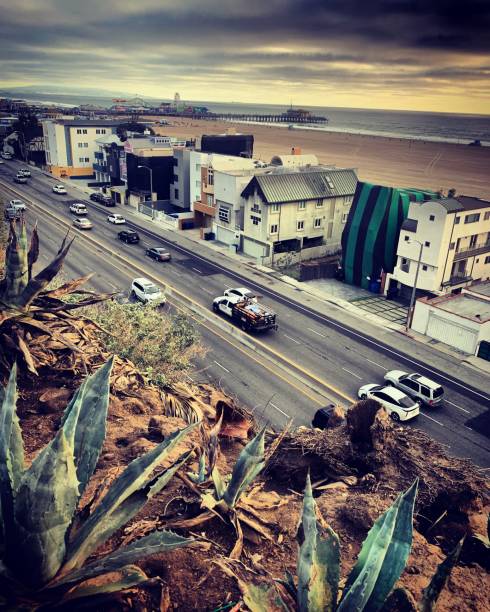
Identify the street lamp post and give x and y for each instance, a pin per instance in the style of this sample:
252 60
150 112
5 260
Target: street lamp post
414 288
151 189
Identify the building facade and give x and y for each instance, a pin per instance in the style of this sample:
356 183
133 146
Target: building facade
455 238
292 215
70 146
106 165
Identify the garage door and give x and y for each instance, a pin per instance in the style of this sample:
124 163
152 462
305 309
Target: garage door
225 235
459 336
254 249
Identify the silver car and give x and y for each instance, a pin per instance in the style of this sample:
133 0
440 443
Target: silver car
421 388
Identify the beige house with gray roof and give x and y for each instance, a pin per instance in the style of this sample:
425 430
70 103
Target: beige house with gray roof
296 214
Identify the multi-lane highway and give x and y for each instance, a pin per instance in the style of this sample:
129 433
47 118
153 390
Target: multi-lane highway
312 360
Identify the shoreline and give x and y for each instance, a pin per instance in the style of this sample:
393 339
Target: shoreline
383 160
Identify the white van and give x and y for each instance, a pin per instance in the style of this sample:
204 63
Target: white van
78 208
146 291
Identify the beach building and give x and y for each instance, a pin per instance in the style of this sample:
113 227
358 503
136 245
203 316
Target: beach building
452 238
71 145
293 214
459 320
370 236
236 145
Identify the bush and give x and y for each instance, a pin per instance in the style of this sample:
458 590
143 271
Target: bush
161 346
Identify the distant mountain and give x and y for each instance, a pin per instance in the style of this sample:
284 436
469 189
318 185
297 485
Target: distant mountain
62 90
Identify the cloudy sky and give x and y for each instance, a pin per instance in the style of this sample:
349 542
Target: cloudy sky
396 54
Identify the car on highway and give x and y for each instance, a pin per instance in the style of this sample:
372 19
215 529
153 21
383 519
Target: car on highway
60 189
6 155
19 204
116 219
129 236
146 291
77 208
20 178
158 254
82 223
25 172
101 198
397 404
417 386
241 292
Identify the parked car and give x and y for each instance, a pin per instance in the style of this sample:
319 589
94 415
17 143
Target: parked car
158 254
60 189
96 196
129 237
146 291
417 386
82 223
77 208
242 292
107 201
20 178
116 219
399 406
25 172
19 204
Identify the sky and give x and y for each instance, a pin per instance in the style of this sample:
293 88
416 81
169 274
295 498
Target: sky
427 55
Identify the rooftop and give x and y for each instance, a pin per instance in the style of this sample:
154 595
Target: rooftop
480 288
88 122
464 305
462 202
304 184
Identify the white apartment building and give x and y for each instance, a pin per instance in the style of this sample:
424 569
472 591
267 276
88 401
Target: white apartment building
71 145
293 214
454 235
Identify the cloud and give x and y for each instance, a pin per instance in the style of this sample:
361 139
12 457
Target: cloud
317 44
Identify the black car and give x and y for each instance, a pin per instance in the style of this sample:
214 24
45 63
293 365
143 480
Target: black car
158 253
96 196
322 417
128 236
103 199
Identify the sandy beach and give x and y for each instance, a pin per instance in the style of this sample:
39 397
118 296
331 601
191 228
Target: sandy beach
387 161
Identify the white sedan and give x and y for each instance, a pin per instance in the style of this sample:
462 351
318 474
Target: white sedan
241 292
116 219
59 189
82 223
399 406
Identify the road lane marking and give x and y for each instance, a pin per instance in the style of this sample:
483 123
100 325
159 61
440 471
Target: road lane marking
376 364
207 291
429 417
196 270
346 370
221 366
315 332
470 428
292 339
279 410
459 407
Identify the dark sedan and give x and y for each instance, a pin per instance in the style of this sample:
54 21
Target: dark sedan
128 236
158 254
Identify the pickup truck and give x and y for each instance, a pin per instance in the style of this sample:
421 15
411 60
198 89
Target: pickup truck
249 314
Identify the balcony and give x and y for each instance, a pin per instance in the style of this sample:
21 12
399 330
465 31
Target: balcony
457 279
98 155
100 168
204 208
471 251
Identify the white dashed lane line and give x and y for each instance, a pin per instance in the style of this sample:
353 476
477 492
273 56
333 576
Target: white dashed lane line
221 366
279 410
458 407
376 364
196 270
207 291
292 339
346 370
432 419
315 332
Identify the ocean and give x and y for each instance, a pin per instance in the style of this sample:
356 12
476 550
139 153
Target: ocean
438 127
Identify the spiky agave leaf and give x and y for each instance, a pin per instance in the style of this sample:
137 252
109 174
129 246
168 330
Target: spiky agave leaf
431 593
33 253
249 464
120 503
383 556
318 566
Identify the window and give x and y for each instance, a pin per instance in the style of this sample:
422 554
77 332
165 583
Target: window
209 200
486 216
80 145
451 246
81 159
224 214
427 243
300 226
87 159
425 391
432 217
84 131
175 178
79 131
345 216
411 384
256 208
456 220
210 176
319 203
317 222
275 208
487 259
407 238
176 194
274 228
301 205
255 220
97 131
473 218
424 268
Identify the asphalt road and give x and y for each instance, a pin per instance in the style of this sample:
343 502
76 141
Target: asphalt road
326 361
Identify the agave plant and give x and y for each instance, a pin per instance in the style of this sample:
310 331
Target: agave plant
32 317
43 556
380 563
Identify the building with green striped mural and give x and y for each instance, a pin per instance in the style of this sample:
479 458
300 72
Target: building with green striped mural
370 236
